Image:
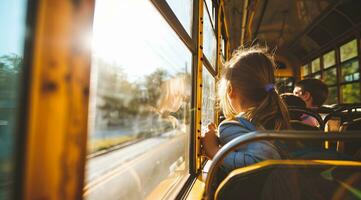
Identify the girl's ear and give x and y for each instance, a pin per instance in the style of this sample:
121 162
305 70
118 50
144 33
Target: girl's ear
230 91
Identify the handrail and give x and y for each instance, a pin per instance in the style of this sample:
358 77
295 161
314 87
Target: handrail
346 107
269 135
309 112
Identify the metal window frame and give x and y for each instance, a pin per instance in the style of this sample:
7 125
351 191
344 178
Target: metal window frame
57 113
21 130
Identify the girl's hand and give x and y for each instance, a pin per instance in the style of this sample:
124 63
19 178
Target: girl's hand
210 142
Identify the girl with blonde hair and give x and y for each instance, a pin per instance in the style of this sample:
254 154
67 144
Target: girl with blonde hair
250 102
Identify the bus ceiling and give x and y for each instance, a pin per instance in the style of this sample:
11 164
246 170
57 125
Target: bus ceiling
295 29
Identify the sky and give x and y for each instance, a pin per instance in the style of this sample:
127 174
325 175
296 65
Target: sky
135 36
12 23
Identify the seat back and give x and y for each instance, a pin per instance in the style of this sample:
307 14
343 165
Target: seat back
294 180
351 148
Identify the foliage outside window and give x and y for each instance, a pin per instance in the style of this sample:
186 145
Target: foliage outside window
13 33
315 65
329 59
184 12
332 96
350 71
330 76
350 93
348 50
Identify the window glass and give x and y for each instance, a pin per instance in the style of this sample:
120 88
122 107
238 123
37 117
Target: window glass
140 107
350 93
332 96
208 98
315 65
285 84
209 40
305 70
330 76
317 76
12 21
329 59
348 50
211 10
350 71
184 11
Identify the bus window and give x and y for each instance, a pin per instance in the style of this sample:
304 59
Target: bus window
12 40
140 111
209 39
208 98
350 93
330 76
329 59
348 50
184 11
332 95
315 65
350 71
317 75
210 10
304 70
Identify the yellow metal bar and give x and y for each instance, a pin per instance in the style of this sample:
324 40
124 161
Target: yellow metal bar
244 22
250 21
197 190
219 63
198 124
224 20
57 120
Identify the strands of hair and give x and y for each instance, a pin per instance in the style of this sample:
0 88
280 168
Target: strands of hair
248 72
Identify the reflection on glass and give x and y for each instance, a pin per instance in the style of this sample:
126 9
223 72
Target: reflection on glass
350 93
315 65
305 70
184 11
12 21
329 76
209 40
141 103
348 50
329 59
332 96
350 71
208 98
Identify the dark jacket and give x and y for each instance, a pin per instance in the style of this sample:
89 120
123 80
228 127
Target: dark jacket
247 154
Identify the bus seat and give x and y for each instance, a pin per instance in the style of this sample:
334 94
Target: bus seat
351 148
293 180
305 111
296 145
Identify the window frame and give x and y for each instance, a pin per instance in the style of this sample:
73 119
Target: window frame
338 63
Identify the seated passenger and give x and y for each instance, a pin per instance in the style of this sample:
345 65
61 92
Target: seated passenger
314 93
249 102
